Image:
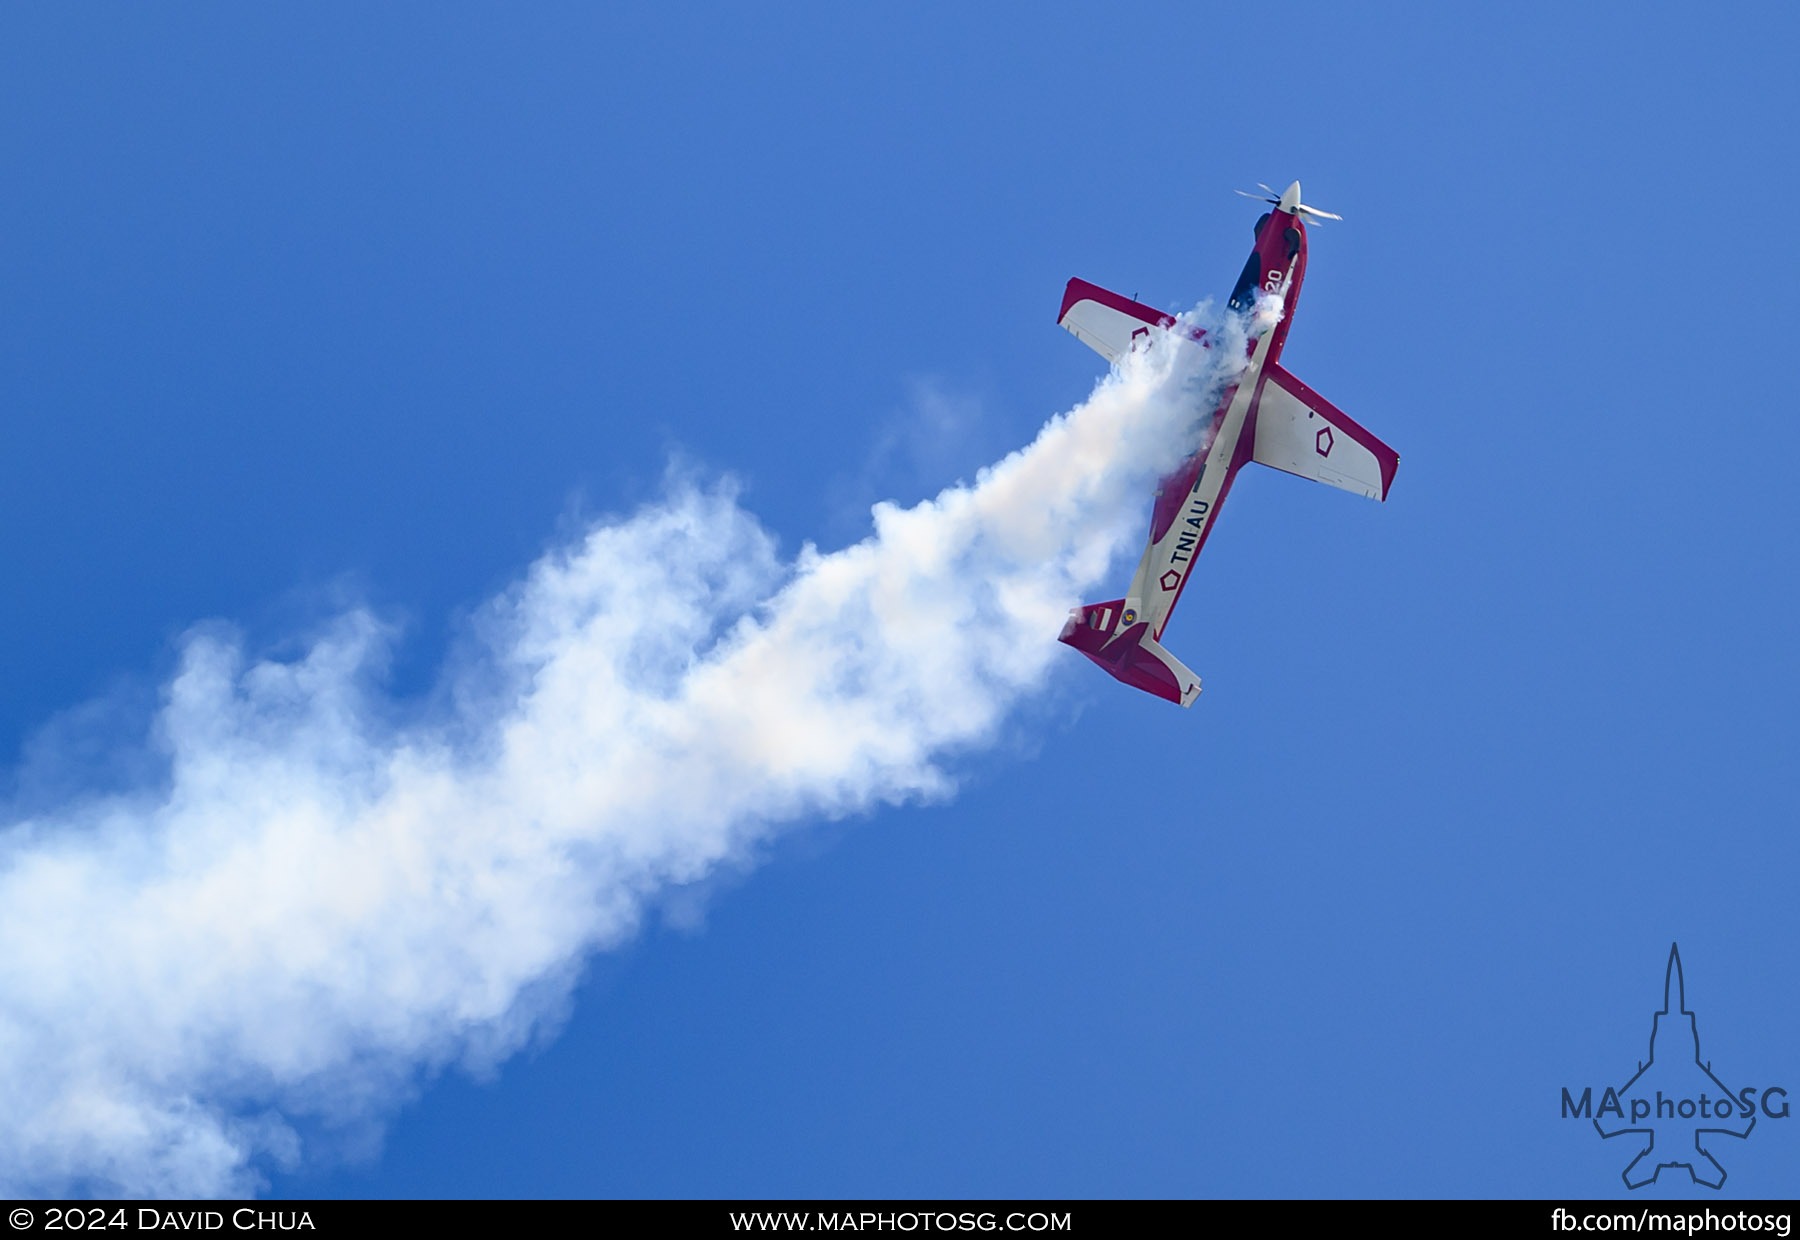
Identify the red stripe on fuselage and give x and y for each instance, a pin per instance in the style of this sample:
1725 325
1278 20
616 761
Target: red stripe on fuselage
1246 446
1274 251
1172 491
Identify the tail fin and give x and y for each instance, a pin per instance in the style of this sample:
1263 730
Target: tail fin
1111 635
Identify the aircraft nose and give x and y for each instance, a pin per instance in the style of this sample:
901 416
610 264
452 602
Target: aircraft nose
1290 198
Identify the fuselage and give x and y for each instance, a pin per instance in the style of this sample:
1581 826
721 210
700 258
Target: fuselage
1188 500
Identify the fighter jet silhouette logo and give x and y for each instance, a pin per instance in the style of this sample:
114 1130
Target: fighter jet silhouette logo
1677 1092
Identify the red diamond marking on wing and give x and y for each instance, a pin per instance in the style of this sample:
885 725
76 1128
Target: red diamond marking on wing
1323 441
1171 579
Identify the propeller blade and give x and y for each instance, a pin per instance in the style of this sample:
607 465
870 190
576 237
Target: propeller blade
1275 198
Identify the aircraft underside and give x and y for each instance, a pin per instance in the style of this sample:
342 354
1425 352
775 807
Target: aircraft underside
1269 417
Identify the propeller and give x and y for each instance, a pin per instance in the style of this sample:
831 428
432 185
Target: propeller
1269 195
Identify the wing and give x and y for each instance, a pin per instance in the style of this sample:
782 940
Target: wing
1300 432
1107 323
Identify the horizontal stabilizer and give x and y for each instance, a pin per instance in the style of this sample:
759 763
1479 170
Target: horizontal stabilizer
1300 432
1112 636
1107 323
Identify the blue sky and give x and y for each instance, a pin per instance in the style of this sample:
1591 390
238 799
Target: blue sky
320 308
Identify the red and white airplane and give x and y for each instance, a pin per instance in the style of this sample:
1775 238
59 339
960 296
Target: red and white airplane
1268 417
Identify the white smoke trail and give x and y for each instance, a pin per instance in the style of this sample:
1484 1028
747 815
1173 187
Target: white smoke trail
312 907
